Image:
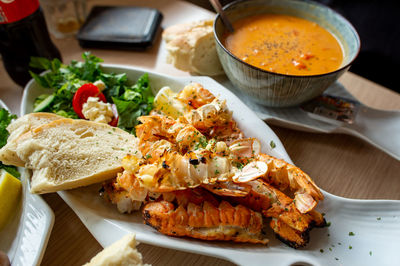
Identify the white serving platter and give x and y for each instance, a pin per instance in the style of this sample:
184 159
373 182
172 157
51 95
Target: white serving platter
25 237
375 223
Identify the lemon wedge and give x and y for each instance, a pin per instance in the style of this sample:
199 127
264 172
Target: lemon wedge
10 194
166 101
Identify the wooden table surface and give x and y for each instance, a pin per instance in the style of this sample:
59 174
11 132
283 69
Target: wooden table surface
340 164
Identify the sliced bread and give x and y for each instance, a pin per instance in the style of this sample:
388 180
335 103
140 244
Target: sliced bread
19 127
67 153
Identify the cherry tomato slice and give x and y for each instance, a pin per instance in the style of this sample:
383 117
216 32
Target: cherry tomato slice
114 122
81 96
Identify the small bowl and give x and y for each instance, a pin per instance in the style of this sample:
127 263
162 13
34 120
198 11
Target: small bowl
281 90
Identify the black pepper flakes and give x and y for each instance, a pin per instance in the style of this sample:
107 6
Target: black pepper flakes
165 165
194 161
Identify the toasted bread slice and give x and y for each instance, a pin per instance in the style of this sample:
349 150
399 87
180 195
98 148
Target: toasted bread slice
19 127
68 153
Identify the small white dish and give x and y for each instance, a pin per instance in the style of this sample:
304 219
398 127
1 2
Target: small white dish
375 223
25 237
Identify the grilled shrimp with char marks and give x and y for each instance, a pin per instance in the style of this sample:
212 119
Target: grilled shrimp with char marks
206 221
272 203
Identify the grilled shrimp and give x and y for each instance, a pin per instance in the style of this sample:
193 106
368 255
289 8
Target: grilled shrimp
195 95
204 147
272 203
178 156
154 128
206 221
214 120
209 115
174 171
206 113
116 194
284 175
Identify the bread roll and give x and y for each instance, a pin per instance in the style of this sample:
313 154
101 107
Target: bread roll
191 47
121 253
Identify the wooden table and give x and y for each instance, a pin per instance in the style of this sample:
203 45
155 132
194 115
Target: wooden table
341 164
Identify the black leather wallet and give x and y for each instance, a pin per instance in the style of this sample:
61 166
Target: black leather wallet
125 27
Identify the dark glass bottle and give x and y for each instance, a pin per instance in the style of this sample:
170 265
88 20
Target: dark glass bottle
23 33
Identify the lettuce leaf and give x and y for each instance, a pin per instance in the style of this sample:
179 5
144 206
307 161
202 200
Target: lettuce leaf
5 120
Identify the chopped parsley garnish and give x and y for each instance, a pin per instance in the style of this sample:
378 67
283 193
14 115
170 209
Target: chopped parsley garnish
370 253
351 234
321 250
216 172
379 218
272 144
239 165
350 247
328 224
203 141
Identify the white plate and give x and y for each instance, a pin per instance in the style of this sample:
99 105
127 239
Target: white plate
24 239
376 224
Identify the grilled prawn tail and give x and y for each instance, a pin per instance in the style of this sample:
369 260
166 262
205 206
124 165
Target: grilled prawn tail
206 221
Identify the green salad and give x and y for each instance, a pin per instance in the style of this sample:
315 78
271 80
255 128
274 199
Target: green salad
5 120
72 85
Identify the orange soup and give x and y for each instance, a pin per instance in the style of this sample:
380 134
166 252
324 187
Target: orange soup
284 44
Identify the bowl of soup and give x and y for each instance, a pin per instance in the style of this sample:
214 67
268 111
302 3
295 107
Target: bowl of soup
284 52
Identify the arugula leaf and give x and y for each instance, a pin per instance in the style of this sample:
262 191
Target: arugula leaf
5 120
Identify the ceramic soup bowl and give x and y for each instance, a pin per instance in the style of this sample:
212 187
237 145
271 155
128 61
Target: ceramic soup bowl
281 90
